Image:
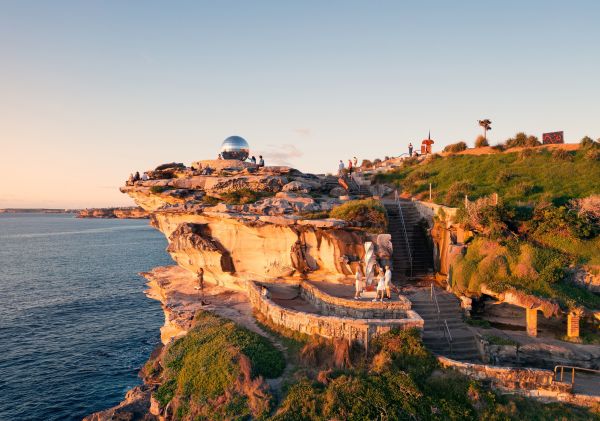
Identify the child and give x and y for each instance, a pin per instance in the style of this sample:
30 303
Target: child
380 288
358 284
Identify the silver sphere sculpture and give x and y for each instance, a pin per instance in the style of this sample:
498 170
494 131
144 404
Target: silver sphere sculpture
235 147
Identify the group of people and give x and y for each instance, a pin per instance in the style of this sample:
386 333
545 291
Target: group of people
261 161
136 177
352 165
383 288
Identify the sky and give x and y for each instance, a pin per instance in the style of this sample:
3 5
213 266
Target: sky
91 91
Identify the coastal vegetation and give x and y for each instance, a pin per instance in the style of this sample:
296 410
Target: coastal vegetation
400 379
519 178
369 213
216 371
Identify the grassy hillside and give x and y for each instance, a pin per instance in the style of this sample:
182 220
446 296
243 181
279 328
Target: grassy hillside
520 177
213 372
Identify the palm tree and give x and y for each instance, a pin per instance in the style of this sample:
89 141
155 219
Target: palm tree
487 125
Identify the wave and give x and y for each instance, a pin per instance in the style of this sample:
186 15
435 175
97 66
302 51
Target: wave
79 232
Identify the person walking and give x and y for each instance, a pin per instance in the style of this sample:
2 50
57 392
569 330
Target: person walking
200 287
341 169
261 161
388 282
410 149
358 284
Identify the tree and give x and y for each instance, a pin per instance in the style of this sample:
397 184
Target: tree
487 125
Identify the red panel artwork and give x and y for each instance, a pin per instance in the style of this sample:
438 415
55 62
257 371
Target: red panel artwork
553 138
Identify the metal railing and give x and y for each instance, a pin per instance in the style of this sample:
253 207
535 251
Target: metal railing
410 260
573 369
444 328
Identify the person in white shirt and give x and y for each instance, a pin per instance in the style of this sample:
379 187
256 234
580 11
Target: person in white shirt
380 288
341 169
358 284
145 177
388 282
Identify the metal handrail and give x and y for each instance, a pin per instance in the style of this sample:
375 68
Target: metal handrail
444 328
449 338
562 369
397 200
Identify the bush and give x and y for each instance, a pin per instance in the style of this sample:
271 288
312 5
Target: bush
366 164
369 213
526 153
587 142
522 140
481 142
593 154
562 155
160 189
456 147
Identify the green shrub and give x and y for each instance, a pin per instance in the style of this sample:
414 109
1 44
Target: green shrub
481 142
160 189
369 213
204 367
587 142
504 176
522 140
456 147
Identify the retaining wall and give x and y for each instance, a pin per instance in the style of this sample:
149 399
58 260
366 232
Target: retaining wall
361 330
343 307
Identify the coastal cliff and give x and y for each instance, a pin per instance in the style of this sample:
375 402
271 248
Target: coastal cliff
119 213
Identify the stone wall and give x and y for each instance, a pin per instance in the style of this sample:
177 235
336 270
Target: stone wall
511 378
429 210
343 307
361 330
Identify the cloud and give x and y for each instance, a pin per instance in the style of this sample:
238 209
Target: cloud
302 132
281 154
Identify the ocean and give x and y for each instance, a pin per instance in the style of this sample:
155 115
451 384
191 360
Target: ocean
75 326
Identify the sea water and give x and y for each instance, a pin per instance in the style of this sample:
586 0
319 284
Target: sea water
75 326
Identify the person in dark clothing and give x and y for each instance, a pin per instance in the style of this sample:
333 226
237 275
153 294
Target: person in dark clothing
261 161
136 177
410 149
253 160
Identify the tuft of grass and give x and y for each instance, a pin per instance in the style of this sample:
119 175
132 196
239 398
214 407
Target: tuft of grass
497 340
160 189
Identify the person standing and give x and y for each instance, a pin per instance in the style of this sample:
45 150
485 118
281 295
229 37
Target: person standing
350 167
341 169
410 149
380 288
358 284
200 277
355 162
261 161
388 282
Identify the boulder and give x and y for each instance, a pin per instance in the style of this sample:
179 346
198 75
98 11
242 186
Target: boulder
337 192
297 186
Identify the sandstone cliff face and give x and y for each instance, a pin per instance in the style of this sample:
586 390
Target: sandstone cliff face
262 240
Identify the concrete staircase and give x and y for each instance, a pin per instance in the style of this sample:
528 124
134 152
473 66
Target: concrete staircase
464 343
422 255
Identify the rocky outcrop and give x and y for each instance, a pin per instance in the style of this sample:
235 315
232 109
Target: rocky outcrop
120 213
135 407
